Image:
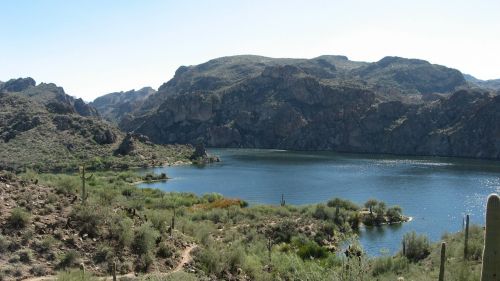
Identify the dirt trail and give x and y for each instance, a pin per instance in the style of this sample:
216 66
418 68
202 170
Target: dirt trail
185 259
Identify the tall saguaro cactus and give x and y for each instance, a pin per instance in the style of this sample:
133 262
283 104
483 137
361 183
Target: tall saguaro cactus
491 253
466 240
84 179
443 260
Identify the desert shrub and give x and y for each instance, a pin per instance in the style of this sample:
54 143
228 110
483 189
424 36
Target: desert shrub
18 218
38 270
46 244
417 246
209 260
25 256
235 257
321 212
344 204
386 264
212 197
165 250
283 231
217 215
27 236
4 244
103 253
14 259
89 218
122 230
67 184
68 259
160 219
310 249
145 239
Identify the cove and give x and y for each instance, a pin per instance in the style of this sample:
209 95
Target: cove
435 191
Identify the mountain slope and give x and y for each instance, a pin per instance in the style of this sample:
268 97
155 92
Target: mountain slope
493 84
43 128
395 105
113 107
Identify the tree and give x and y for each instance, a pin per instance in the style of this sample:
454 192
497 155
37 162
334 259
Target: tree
370 204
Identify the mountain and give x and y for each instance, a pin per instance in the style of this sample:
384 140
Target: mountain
493 84
395 105
113 107
43 128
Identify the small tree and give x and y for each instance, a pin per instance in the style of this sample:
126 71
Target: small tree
394 213
370 204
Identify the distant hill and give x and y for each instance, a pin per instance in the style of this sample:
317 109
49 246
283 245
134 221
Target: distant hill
43 128
113 107
395 105
493 84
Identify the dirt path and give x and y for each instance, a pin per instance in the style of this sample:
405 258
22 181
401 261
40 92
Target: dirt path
185 259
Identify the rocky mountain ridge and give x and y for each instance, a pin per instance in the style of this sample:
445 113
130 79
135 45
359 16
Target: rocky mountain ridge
395 105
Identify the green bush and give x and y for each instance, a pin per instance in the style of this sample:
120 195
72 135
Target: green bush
46 244
103 253
18 218
25 256
386 264
68 259
311 250
89 218
122 230
394 213
417 246
212 197
165 250
145 239
344 204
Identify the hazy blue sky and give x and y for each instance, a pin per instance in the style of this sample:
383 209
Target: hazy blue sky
94 47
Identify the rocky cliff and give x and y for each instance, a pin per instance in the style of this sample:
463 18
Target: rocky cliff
395 105
113 107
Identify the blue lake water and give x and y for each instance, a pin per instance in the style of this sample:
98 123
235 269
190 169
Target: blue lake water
436 192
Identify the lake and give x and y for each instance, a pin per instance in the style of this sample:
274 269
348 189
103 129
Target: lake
436 192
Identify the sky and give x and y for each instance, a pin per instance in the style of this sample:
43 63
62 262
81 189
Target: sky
94 47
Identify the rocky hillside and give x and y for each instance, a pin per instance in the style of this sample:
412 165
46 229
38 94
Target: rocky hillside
43 128
113 107
395 105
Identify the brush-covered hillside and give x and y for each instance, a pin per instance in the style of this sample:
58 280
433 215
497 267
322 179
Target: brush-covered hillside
43 128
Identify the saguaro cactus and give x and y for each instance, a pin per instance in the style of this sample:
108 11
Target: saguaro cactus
269 247
443 260
466 240
491 253
114 271
84 179
282 202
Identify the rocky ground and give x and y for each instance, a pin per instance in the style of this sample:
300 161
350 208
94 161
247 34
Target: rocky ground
45 238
